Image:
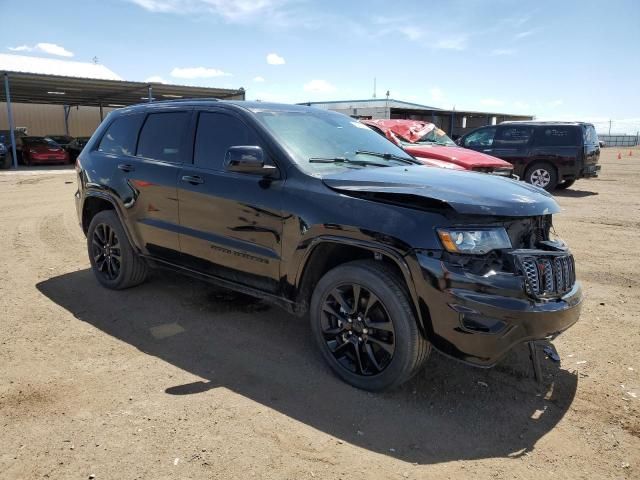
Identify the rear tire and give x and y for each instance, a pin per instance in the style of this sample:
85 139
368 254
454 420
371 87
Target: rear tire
372 343
113 260
542 175
566 184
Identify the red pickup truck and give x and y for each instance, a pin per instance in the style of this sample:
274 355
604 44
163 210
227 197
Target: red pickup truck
433 147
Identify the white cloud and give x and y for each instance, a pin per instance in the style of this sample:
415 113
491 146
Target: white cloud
389 25
525 34
437 95
555 103
521 104
502 51
198 72
491 102
258 79
275 59
21 48
49 48
452 43
319 86
155 79
412 33
233 11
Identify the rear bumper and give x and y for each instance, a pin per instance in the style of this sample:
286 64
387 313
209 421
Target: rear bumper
44 161
478 319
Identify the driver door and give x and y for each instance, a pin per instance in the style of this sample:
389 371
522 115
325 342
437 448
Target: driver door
231 222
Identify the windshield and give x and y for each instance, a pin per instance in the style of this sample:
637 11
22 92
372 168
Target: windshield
313 135
434 136
40 141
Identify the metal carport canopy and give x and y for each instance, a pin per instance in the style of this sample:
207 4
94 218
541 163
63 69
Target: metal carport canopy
72 91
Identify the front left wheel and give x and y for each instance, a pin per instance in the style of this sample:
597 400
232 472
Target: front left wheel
363 323
114 262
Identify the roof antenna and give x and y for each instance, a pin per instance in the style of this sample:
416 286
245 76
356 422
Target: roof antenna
95 60
374 87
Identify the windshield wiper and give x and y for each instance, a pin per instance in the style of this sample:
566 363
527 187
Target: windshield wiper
386 156
345 160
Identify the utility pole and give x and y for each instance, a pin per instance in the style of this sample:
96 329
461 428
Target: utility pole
374 87
609 127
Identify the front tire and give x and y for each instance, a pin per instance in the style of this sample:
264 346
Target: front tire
363 323
113 260
542 175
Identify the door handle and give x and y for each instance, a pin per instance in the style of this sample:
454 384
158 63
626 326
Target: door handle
488 150
192 179
125 167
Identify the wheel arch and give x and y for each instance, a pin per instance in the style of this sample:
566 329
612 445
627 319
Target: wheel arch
96 202
327 252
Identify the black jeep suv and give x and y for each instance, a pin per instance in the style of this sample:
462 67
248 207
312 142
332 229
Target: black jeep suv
316 212
546 154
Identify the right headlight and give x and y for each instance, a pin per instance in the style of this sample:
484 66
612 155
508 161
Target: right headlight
474 241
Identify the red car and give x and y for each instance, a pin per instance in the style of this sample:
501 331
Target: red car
433 147
40 150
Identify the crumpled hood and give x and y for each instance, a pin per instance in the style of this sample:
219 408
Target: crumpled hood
466 192
460 156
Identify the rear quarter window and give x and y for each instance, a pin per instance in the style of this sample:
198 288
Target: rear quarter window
120 137
513 136
557 136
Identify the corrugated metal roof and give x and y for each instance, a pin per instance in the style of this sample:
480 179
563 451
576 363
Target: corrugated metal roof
54 66
377 102
60 90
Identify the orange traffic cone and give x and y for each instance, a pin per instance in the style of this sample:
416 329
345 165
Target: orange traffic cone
631 153
619 156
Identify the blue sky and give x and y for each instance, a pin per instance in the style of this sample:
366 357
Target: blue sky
553 59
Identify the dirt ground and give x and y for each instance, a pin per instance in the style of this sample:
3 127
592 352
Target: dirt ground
179 379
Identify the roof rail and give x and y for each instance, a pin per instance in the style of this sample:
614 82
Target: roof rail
178 100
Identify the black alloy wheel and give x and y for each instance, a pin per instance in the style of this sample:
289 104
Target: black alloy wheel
357 329
106 251
114 261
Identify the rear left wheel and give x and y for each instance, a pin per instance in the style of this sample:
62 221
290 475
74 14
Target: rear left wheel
114 262
365 327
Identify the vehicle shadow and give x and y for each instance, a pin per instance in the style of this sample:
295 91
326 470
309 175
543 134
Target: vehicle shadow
448 412
574 193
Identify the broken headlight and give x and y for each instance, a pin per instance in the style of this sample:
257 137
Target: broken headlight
473 241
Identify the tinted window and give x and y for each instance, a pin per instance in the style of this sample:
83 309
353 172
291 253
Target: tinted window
557 136
120 137
480 138
513 136
217 132
162 136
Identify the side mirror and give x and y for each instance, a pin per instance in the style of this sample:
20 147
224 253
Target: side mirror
247 159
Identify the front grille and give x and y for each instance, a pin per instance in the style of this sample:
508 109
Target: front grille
548 275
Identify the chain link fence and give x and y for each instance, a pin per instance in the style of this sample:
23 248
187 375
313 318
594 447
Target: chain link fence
619 140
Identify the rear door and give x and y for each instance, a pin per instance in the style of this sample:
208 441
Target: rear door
511 144
560 146
231 223
146 151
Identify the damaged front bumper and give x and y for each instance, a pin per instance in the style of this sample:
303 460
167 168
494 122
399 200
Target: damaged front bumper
479 318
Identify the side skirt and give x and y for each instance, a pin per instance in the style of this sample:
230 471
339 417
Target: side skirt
284 303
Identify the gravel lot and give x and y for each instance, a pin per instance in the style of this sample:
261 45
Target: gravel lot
179 379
